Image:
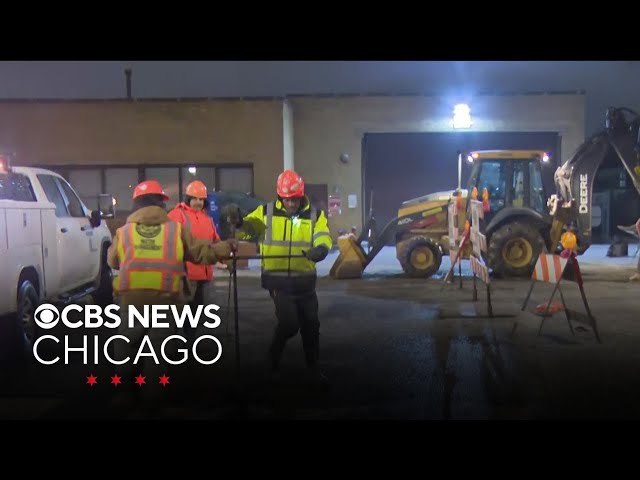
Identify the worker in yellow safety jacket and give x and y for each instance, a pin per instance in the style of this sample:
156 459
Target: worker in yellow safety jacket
292 227
150 251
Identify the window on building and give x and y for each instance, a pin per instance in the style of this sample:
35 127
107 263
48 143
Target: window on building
88 184
168 178
235 179
206 175
120 183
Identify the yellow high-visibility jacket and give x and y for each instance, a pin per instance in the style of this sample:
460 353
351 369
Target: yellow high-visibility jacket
281 234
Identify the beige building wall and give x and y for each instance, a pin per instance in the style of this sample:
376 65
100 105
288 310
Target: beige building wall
148 132
325 128
307 133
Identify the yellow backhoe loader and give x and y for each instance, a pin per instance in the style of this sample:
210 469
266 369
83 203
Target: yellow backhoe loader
523 217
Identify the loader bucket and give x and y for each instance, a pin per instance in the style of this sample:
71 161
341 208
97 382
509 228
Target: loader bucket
351 261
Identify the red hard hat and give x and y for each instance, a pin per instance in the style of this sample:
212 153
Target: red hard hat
196 189
290 185
147 188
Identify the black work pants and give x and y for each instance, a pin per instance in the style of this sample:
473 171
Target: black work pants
296 313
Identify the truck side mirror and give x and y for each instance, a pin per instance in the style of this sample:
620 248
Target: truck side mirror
106 206
96 218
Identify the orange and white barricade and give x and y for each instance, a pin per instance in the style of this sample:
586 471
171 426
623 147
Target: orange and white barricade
553 269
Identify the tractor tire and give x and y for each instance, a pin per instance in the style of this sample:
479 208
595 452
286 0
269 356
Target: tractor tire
513 250
419 257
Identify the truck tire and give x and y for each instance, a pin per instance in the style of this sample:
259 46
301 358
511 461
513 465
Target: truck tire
419 257
103 295
26 326
513 250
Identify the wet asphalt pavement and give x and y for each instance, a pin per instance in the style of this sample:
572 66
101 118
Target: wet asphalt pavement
392 348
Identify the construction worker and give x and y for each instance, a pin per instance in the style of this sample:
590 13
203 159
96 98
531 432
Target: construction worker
192 214
289 226
149 251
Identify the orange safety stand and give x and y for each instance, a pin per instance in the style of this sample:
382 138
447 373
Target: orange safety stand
553 269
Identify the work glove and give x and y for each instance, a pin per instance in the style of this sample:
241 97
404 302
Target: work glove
317 254
233 244
233 214
223 249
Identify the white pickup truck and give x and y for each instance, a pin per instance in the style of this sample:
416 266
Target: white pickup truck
52 247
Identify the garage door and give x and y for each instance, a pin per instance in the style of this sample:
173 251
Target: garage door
401 166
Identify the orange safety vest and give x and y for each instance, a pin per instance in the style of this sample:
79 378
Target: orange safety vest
201 227
151 257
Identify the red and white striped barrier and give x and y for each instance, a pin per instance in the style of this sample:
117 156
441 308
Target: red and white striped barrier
480 270
549 268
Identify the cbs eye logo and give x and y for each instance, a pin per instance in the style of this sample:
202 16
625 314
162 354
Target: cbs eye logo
46 316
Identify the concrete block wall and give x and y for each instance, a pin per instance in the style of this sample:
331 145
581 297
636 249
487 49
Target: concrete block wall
148 132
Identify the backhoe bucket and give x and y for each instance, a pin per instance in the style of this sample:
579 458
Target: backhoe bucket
351 261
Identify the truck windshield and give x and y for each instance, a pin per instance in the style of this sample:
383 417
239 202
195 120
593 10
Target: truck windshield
15 186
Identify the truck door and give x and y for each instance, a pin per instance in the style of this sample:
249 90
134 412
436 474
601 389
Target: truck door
90 265
71 243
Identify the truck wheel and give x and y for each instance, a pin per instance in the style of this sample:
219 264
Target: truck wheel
513 250
27 304
103 296
419 257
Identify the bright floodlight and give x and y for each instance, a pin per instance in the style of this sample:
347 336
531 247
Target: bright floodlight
461 116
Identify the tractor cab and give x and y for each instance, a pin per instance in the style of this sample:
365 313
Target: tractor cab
513 178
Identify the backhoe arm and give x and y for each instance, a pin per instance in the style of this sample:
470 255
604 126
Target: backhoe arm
575 178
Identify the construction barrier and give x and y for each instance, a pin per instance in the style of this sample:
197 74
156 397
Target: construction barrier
480 270
472 233
479 242
554 269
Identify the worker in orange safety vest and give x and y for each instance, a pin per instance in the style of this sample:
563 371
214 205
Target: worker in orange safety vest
149 252
192 215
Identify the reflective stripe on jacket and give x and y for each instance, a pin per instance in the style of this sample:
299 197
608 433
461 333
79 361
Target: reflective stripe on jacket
289 235
151 257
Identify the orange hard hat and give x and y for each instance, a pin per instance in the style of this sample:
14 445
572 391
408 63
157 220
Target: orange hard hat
149 187
196 189
290 185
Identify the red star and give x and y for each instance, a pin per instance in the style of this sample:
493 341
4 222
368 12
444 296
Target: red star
91 380
115 380
164 380
140 379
